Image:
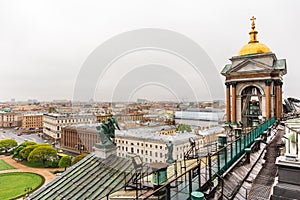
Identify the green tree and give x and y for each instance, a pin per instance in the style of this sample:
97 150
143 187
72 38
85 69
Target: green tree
52 110
78 158
25 144
20 148
17 152
7 144
65 162
43 154
27 150
183 128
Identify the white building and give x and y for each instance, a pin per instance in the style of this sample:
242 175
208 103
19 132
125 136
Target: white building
9 119
150 143
54 122
199 118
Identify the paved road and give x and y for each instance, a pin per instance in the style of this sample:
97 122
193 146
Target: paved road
11 133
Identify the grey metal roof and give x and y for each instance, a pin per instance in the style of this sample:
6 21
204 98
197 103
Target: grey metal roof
90 178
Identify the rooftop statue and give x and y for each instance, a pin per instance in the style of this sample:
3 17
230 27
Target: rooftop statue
170 152
106 132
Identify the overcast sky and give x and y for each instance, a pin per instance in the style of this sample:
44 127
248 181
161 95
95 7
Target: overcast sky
44 44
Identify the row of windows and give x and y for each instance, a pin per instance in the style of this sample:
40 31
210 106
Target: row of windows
71 120
140 144
144 152
74 120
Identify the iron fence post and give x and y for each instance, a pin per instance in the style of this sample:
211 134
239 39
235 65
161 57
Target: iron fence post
209 166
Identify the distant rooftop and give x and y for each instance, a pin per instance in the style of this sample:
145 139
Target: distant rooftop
151 133
200 115
69 115
33 114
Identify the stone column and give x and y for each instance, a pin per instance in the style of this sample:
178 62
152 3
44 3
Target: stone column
228 113
280 99
233 95
268 99
278 103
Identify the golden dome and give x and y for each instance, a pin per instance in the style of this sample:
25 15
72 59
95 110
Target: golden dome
253 46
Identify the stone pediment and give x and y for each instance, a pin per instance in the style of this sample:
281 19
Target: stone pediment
248 66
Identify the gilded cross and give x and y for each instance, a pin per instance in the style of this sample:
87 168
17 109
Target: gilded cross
253 24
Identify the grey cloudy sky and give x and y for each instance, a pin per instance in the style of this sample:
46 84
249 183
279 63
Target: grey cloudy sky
43 44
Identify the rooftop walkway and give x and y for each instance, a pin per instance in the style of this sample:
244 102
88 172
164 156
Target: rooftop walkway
264 181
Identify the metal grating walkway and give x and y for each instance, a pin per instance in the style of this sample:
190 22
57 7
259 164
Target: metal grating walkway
263 183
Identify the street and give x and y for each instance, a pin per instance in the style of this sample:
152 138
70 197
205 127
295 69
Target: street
11 134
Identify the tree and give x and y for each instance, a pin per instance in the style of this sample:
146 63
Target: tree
42 153
52 110
7 144
78 158
27 150
25 144
65 162
20 148
183 128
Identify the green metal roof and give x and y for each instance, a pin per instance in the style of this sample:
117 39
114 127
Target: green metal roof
225 69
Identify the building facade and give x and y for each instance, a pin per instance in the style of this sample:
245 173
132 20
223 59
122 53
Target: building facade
10 119
101 117
149 143
53 123
79 139
254 84
32 122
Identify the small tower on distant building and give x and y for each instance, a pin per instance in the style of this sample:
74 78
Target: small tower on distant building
254 83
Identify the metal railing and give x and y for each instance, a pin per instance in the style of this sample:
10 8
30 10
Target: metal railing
209 169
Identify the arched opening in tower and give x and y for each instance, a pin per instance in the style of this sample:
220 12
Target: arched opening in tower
251 106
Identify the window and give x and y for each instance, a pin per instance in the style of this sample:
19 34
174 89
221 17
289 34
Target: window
155 146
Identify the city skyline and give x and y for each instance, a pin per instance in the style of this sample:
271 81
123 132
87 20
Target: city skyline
45 44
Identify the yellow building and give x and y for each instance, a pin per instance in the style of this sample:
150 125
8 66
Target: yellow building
32 121
101 117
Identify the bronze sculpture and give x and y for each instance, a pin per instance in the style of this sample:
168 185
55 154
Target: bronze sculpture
106 132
